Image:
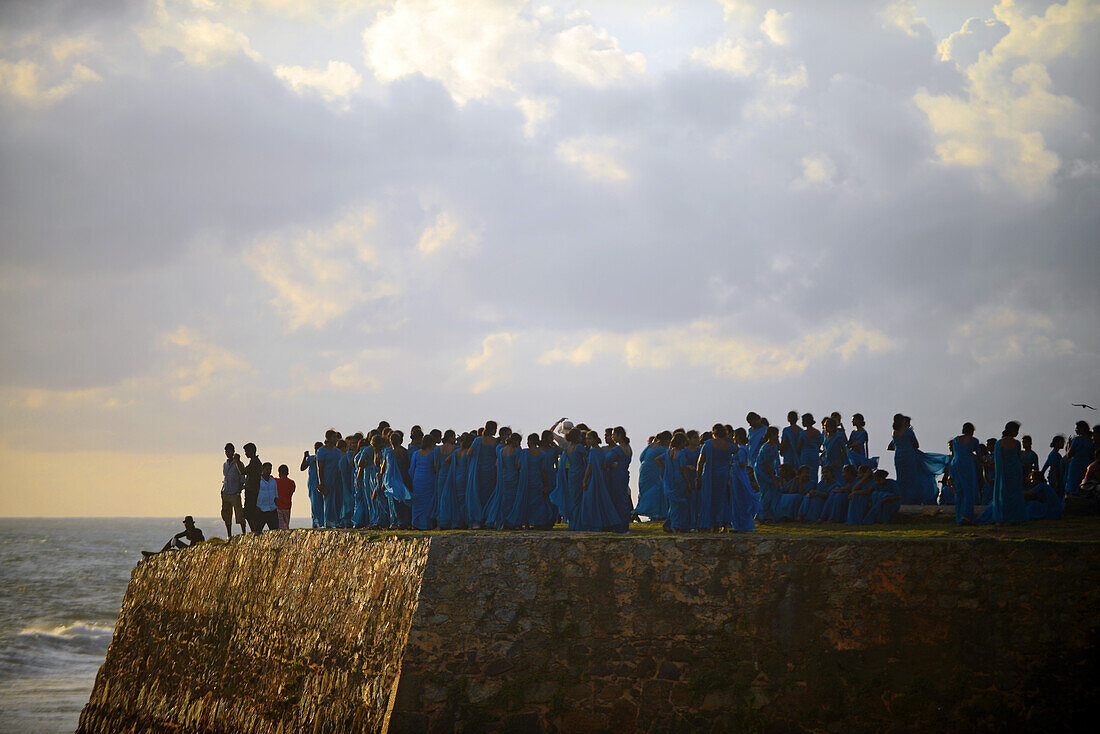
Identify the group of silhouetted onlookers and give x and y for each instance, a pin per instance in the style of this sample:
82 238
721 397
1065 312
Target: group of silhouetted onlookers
267 500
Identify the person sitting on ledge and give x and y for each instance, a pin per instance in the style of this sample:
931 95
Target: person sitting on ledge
191 534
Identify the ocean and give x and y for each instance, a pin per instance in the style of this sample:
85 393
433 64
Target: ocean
61 585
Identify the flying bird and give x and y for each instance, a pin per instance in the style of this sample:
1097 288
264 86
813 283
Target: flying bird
1082 405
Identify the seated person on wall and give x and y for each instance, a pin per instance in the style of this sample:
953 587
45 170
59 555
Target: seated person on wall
190 536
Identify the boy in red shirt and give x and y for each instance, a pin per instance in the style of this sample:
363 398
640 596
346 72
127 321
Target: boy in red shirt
285 486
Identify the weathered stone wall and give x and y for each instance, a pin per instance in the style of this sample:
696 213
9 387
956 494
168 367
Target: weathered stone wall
280 632
566 632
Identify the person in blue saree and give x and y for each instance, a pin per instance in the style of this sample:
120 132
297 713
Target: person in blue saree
1054 469
1078 456
963 470
360 517
885 498
1028 458
792 487
757 428
678 481
617 457
836 506
854 454
834 452
766 468
424 471
571 469
744 503
446 449
651 494
859 434
713 470
329 481
790 440
378 505
395 487
1043 503
534 486
1008 504
985 472
500 512
481 474
597 511
809 446
813 504
347 498
916 471
859 499
316 499
691 458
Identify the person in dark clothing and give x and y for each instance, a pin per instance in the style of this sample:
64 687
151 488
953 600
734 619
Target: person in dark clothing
190 536
252 473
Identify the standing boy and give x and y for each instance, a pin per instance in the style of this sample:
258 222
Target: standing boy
285 486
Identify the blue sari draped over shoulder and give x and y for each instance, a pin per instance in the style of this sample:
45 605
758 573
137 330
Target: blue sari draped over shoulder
451 512
597 512
392 479
860 436
651 491
679 513
534 471
756 440
1076 465
809 452
361 515
963 470
885 502
1008 487
575 465
714 492
836 505
836 452
788 503
811 507
1047 507
423 468
499 513
481 479
916 471
769 490
791 442
858 459
619 485
1054 471
744 504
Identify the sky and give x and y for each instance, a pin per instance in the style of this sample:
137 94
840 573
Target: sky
251 220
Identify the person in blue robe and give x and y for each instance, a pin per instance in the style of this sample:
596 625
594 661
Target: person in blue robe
916 471
1078 457
836 505
500 511
651 494
347 475
571 469
790 441
316 499
364 458
885 498
859 435
713 470
1008 504
1043 503
678 482
859 499
534 488
758 427
330 483
446 449
1028 458
813 504
834 452
809 446
691 459
744 502
790 497
964 472
452 498
1053 468
617 457
481 477
424 471
597 511
766 468
395 489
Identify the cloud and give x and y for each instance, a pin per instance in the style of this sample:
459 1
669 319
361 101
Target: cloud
320 274
702 344
999 124
362 373
535 111
776 27
902 15
202 42
491 366
199 365
976 35
446 233
23 81
818 172
480 49
736 57
336 82
999 336
596 157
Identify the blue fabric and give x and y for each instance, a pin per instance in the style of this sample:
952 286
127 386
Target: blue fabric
744 503
347 503
500 511
768 456
651 490
316 499
963 470
679 512
916 471
423 468
1081 447
859 507
619 485
1030 461
791 442
857 459
360 516
788 503
714 486
811 508
559 488
328 461
836 505
532 505
392 480
756 440
443 467
481 480
885 502
597 511
1049 507
452 492
809 452
860 436
1055 471
1008 485
835 452
575 465
379 504
691 461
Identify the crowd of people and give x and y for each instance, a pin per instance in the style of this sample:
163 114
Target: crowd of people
722 479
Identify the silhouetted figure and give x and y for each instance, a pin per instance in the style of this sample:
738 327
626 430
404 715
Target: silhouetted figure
190 536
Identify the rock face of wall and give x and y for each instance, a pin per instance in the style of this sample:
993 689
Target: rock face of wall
331 631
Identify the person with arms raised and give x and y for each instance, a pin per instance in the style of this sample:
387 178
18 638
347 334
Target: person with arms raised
316 499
